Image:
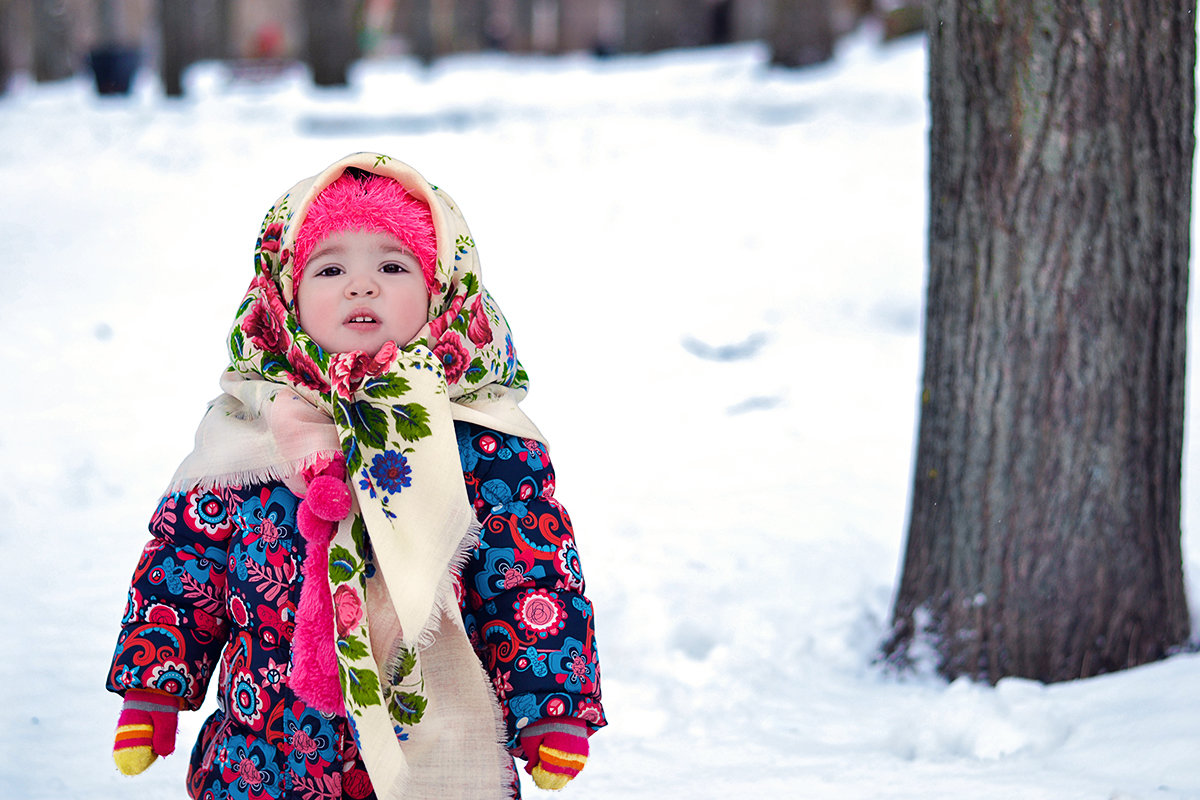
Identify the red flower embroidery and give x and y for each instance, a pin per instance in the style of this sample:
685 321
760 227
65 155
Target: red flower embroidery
271 237
453 357
347 610
442 323
479 331
347 370
305 371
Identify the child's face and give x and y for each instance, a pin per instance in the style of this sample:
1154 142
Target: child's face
360 290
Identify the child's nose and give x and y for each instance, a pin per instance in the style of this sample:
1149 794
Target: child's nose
361 288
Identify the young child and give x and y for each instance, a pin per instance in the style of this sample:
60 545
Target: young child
366 517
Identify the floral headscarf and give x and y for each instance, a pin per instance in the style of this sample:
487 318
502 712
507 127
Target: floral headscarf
289 406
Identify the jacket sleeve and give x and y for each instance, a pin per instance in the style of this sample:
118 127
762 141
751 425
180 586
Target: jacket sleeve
522 591
175 624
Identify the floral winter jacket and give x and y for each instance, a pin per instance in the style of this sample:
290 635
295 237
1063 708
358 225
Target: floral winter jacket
219 584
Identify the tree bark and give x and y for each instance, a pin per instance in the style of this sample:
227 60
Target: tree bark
419 30
178 50
470 17
664 24
332 39
801 32
52 57
1044 536
6 26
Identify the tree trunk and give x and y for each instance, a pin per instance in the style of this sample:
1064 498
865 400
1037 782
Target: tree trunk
470 17
176 21
1044 538
52 57
801 32
663 24
6 25
419 30
331 35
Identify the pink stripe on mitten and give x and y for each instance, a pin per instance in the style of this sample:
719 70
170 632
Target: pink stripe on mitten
557 749
145 729
314 674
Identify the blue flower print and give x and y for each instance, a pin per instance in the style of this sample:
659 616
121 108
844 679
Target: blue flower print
531 452
524 707
391 471
572 666
169 573
497 494
249 773
268 520
466 453
312 738
503 570
199 562
532 660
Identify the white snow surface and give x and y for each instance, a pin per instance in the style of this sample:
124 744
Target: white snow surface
714 270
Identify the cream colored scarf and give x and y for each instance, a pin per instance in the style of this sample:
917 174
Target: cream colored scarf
423 710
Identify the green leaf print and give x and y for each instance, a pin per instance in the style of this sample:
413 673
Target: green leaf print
370 424
475 371
342 565
470 282
237 344
352 453
388 385
403 665
273 367
352 647
411 421
362 687
407 708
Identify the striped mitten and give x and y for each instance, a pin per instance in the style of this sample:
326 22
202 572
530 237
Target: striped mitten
556 749
145 729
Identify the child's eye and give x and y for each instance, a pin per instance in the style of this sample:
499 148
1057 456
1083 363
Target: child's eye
392 267
330 271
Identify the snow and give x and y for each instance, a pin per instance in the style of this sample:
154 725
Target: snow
714 270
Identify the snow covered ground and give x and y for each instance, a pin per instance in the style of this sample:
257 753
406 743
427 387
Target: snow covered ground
714 271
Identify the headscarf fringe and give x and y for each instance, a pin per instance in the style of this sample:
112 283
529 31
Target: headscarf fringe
250 477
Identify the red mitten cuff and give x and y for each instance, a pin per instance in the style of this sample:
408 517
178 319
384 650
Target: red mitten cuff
556 749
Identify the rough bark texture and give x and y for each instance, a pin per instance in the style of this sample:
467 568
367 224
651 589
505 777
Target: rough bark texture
1044 537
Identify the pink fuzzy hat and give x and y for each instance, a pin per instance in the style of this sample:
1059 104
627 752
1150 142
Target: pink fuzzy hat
361 201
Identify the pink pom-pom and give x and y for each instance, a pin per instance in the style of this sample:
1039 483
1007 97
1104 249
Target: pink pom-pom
328 498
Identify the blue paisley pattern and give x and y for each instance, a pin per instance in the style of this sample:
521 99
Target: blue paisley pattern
215 592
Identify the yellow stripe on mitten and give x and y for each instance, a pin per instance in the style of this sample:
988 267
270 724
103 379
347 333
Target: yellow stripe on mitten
145 729
132 750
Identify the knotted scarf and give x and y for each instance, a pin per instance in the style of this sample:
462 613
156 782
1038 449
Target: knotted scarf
421 707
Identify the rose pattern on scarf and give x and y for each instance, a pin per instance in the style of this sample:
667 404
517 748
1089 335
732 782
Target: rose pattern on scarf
347 610
452 356
264 329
